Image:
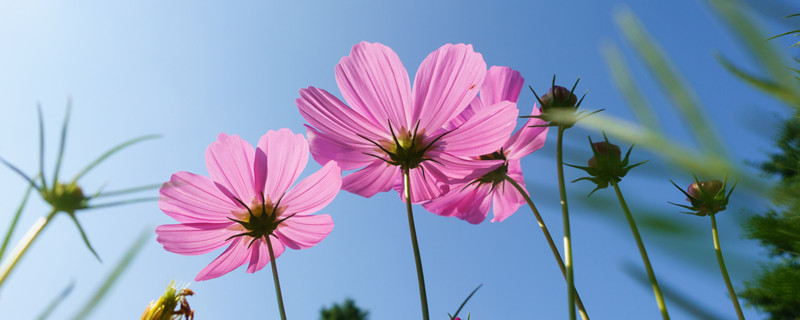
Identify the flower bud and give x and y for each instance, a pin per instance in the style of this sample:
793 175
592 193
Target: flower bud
606 166
607 152
708 197
558 97
710 188
165 307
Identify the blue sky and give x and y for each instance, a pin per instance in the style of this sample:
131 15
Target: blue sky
189 70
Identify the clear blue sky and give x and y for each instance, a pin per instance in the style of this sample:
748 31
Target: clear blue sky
190 70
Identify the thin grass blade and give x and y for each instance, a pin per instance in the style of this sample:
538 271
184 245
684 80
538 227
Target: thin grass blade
57 301
465 301
678 299
14 222
112 278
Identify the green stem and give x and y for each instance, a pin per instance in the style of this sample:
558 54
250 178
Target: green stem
553 248
650 274
423 297
565 216
725 270
275 278
22 246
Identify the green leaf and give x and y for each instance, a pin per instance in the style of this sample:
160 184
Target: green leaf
83 235
14 221
63 141
112 151
627 84
676 87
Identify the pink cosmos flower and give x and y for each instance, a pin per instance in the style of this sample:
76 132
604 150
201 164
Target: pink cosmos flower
470 201
246 200
390 127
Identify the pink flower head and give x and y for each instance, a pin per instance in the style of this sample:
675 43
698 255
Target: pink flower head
390 126
246 200
470 201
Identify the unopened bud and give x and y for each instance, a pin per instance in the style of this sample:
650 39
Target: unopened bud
709 188
607 152
558 97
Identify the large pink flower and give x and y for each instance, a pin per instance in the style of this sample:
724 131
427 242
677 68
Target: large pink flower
390 126
246 200
470 201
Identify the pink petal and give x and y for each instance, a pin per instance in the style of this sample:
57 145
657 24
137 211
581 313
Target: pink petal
484 133
446 83
194 238
314 192
325 147
463 201
464 170
229 162
304 231
527 139
462 117
342 124
286 155
234 256
501 84
480 212
259 254
376 177
427 182
506 200
191 198
374 82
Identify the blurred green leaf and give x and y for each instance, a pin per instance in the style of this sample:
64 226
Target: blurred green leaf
15 221
625 82
677 89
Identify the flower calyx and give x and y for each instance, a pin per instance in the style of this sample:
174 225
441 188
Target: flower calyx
606 166
261 220
65 197
707 197
406 149
560 106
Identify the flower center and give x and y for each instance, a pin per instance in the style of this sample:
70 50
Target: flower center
260 219
406 149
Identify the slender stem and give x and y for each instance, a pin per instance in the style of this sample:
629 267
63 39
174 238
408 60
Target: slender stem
22 246
723 269
565 216
275 278
553 248
650 274
423 297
